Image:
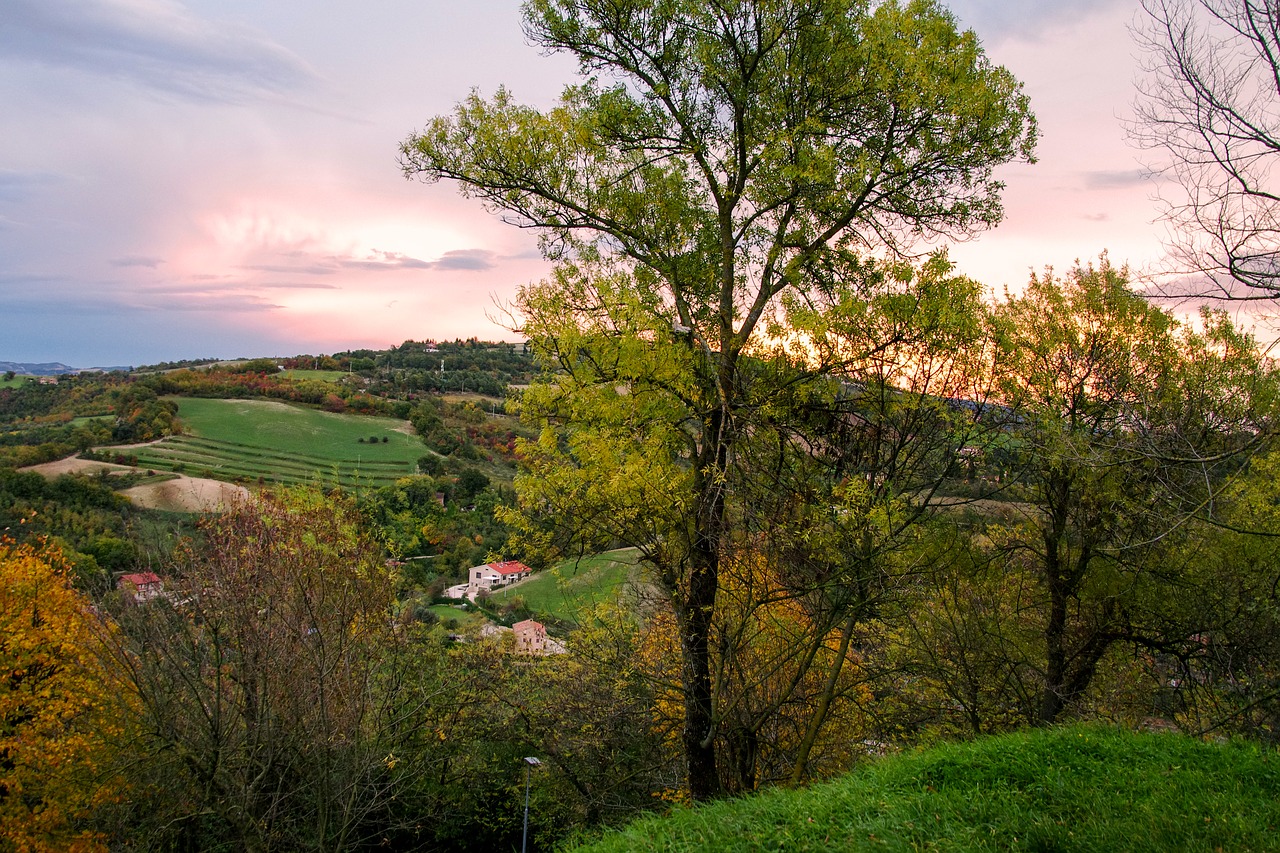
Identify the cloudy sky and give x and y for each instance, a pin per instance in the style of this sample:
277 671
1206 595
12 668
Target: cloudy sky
191 178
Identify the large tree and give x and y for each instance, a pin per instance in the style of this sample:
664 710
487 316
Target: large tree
716 160
1129 427
274 689
1210 106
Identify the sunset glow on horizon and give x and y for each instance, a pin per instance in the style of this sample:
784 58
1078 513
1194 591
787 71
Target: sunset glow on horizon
193 178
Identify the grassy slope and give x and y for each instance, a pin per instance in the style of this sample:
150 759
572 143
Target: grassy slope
1074 789
566 589
285 443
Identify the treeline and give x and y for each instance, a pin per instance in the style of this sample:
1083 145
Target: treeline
42 422
84 518
266 382
46 422
470 366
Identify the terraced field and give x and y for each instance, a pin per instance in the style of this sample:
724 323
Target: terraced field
252 440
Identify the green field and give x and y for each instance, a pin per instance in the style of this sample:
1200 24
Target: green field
283 443
564 591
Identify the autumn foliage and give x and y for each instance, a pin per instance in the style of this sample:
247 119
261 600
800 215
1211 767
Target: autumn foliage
56 726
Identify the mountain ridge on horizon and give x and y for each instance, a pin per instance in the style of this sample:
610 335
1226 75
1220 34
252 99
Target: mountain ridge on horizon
52 368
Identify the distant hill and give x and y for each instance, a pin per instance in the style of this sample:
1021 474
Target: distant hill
51 368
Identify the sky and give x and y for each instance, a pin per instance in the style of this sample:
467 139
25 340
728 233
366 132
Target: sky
219 178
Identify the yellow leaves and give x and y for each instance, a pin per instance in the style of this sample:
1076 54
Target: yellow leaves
53 721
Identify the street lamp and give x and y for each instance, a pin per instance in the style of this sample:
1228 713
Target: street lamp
529 763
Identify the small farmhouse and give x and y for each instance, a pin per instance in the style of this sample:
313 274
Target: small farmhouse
142 586
496 575
531 637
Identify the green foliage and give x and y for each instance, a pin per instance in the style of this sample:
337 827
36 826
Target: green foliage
1225 668
459 533
574 588
89 519
1067 789
1129 426
712 162
141 415
279 620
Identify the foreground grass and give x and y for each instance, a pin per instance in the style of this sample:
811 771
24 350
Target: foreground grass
1075 789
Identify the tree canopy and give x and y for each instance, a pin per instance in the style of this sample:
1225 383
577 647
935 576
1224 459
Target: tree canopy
714 158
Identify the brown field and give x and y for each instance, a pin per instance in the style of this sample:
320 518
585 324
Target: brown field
179 494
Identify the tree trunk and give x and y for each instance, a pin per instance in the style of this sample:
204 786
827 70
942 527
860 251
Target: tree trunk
699 719
696 613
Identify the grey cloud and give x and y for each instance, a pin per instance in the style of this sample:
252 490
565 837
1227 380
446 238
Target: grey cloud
215 287
296 285
294 269
994 20
24 279
156 43
1109 180
137 261
240 303
380 261
456 259
386 261
465 259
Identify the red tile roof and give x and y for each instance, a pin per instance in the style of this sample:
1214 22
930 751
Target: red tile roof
510 567
141 578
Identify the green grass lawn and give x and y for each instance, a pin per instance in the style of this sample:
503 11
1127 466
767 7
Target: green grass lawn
279 442
565 590
1073 789
445 613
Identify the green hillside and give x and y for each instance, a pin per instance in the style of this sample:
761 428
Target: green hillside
564 591
284 443
1072 789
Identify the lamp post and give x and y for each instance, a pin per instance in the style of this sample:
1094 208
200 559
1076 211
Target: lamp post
529 763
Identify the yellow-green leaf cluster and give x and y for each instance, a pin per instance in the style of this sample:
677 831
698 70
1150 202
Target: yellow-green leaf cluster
56 725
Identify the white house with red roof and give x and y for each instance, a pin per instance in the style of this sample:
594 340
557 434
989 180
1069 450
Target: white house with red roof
143 586
496 575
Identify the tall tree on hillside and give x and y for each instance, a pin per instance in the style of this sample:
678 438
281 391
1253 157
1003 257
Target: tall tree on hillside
1129 427
716 160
